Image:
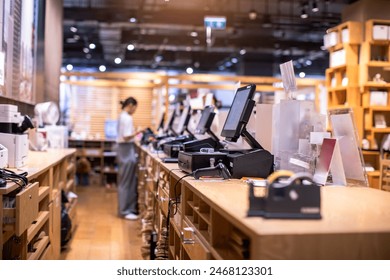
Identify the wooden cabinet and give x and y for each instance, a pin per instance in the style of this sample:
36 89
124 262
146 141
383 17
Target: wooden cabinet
342 77
101 156
31 229
207 219
375 81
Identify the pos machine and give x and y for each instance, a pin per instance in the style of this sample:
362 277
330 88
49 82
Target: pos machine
253 162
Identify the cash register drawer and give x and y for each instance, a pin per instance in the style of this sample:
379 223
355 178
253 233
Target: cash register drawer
18 219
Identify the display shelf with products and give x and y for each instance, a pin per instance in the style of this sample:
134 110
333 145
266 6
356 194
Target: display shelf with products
32 228
342 76
101 155
374 80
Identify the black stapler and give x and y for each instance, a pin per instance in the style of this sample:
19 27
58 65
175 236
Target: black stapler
219 170
293 197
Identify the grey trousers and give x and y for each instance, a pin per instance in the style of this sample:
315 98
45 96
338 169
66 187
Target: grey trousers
127 179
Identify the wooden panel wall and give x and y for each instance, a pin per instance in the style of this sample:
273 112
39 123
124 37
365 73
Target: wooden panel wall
91 106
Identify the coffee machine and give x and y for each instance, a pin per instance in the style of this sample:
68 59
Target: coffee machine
12 134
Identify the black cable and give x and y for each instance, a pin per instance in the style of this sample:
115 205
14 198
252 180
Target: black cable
9 175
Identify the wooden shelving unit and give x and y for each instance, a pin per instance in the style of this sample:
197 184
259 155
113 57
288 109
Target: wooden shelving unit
208 220
374 60
342 77
101 156
32 228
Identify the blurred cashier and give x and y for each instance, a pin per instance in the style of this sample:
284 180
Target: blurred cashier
127 161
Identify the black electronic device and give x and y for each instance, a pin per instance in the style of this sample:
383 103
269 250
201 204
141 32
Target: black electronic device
191 161
294 197
238 116
182 126
170 160
203 127
254 162
250 163
168 126
219 170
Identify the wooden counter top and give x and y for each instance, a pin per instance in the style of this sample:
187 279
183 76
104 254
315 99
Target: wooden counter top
38 163
343 209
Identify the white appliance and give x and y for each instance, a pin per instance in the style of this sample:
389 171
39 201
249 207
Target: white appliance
3 157
12 134
17 145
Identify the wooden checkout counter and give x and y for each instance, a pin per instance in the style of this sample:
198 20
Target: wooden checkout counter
32 229
210 221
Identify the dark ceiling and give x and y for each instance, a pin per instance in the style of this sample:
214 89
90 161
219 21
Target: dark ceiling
171 35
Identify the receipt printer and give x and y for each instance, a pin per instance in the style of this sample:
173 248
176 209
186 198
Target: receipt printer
12 134
3 157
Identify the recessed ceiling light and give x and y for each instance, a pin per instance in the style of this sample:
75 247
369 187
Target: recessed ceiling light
234 60
102 68
73 29
243 51
85 50
130 47
252 15
76 37
118 60
133 20
69 67
302 74
189 70
92 46
194 34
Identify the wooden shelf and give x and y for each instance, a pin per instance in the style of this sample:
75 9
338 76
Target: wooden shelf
40 247
69 185
376 85
378 108
378 64
379 130
70 168
43 192
43 216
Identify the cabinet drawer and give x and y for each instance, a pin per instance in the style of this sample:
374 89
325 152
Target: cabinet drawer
18 219
196 250
193 246
163 198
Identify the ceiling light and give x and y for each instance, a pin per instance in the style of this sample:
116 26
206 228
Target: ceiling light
188 49
102 68
69 67
194 34
221 67
92 46
302 74
304 13
228 64
85 50
314 8
196 42
234 60
117 60
252 14
158 58
76 37
308 62
73 29
196 64
189 70
243 51
88 56
130 47
133 20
